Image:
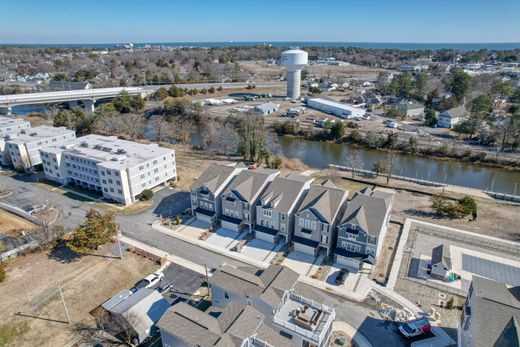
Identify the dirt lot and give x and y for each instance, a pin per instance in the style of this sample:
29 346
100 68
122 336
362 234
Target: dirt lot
30 288
12 225
385 259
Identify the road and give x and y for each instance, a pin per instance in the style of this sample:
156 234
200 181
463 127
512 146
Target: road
168 202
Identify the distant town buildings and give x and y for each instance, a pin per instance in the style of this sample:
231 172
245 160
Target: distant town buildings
65 85
120 170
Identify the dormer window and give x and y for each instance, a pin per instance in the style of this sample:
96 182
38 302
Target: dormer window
268 213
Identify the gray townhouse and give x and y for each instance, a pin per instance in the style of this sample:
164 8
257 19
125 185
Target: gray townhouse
362 228
240 197
206 192
277 205
315 222
252 308
490 315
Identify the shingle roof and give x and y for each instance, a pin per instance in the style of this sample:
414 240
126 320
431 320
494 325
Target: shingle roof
239 282
326 201
455 112
441 254
214 177
248 183
284 191
496 312
368 209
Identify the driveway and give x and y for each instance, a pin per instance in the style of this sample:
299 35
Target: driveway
225 238
299 262
260 250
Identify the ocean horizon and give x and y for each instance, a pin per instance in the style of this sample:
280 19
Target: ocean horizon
369 45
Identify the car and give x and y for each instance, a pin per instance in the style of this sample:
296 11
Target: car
164 287
149 281
416 327
340 278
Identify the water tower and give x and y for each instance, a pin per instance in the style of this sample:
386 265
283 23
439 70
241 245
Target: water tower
294 60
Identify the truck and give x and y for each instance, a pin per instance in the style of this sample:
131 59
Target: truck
416 327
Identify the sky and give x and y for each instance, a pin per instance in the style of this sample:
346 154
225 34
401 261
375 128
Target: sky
117 21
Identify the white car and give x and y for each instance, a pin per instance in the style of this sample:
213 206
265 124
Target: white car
150 281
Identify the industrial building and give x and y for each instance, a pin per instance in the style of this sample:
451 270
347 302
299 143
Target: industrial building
118 169
263 109
10 126
335 108
294 60
21 150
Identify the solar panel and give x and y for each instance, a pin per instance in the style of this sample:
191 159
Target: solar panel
491 269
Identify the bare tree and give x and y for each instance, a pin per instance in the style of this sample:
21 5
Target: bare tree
354 160
183 128
132 124
392 164
210 133
164 130
227 140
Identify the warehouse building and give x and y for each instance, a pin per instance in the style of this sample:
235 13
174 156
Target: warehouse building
335 108
118 169
21 150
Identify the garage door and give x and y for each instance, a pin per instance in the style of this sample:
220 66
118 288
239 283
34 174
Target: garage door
300 247
229 226
265 237
347 262
203 218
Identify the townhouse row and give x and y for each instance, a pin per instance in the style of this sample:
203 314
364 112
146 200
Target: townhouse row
281 209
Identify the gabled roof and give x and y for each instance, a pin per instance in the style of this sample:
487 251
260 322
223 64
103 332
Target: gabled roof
214 177
324 200
441 254
248 183
284 191
368 210
496 313
455 112
239 282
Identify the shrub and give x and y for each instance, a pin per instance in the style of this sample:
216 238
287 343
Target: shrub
2 273
147 194
449 304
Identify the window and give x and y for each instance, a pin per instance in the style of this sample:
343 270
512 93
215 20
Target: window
301 222
313 225
104 181
226 295
110 181
112 190
268 213
120 191
286 335
351 236
141 167
307 224
323 238
283 216
282 227
324 227
116 173
118 183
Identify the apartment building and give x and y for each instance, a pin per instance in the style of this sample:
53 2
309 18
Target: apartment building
206 192
316 219
240 198
10 126
490 315
119 170
21 150
362 228
277 205
250 310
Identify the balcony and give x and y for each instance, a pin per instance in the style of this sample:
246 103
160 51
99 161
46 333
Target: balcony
304 317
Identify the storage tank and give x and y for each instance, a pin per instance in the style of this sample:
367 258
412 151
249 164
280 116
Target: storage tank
294 60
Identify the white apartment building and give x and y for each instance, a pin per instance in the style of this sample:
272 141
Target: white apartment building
10 126
21 150
118 169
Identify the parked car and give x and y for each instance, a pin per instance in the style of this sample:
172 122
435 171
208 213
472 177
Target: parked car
149 281
340 278
164 287
416 327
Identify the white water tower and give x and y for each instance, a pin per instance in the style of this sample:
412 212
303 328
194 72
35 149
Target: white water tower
294 60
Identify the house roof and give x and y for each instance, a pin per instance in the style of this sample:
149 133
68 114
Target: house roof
248 183
239 282
455 112
496 312
368 210
441 254
266 107
214 177
324 201
284 191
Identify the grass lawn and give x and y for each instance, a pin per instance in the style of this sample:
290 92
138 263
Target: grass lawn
344 183
7 173
137 207
9 332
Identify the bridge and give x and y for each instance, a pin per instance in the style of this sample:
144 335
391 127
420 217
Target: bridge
90 96
87 96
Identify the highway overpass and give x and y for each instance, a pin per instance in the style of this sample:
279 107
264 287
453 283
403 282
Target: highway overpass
90 96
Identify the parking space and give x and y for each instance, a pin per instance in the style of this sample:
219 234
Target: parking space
350 280
299 262
225 238
261 250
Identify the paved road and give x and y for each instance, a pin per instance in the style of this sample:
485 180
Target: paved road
170 202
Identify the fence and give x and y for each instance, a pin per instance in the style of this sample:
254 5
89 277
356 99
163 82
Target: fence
19 212
495 195
14 252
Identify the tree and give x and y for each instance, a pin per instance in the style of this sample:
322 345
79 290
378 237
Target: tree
97 229
392 164
164 130
412 143
354 160
210 133
355 136
402 85
380 167
75 120
468 206
439 203
123 102
430 118
479 108
392 140
147 194
276 163
419 85
502 89
459 84
183 129
337 130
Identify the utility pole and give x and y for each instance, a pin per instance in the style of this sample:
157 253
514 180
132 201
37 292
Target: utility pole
119 243
64 304
492 184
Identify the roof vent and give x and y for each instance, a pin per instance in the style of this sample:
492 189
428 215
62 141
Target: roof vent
83 144
33 134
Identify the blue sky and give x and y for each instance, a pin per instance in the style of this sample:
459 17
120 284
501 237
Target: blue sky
111 21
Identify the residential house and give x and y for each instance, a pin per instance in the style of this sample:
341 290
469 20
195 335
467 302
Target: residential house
490 315
371 99
276 206
65 85
410 109
138 313
241 196
441 263
206 192
362 228
316 219
264 109
305 322
449 118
